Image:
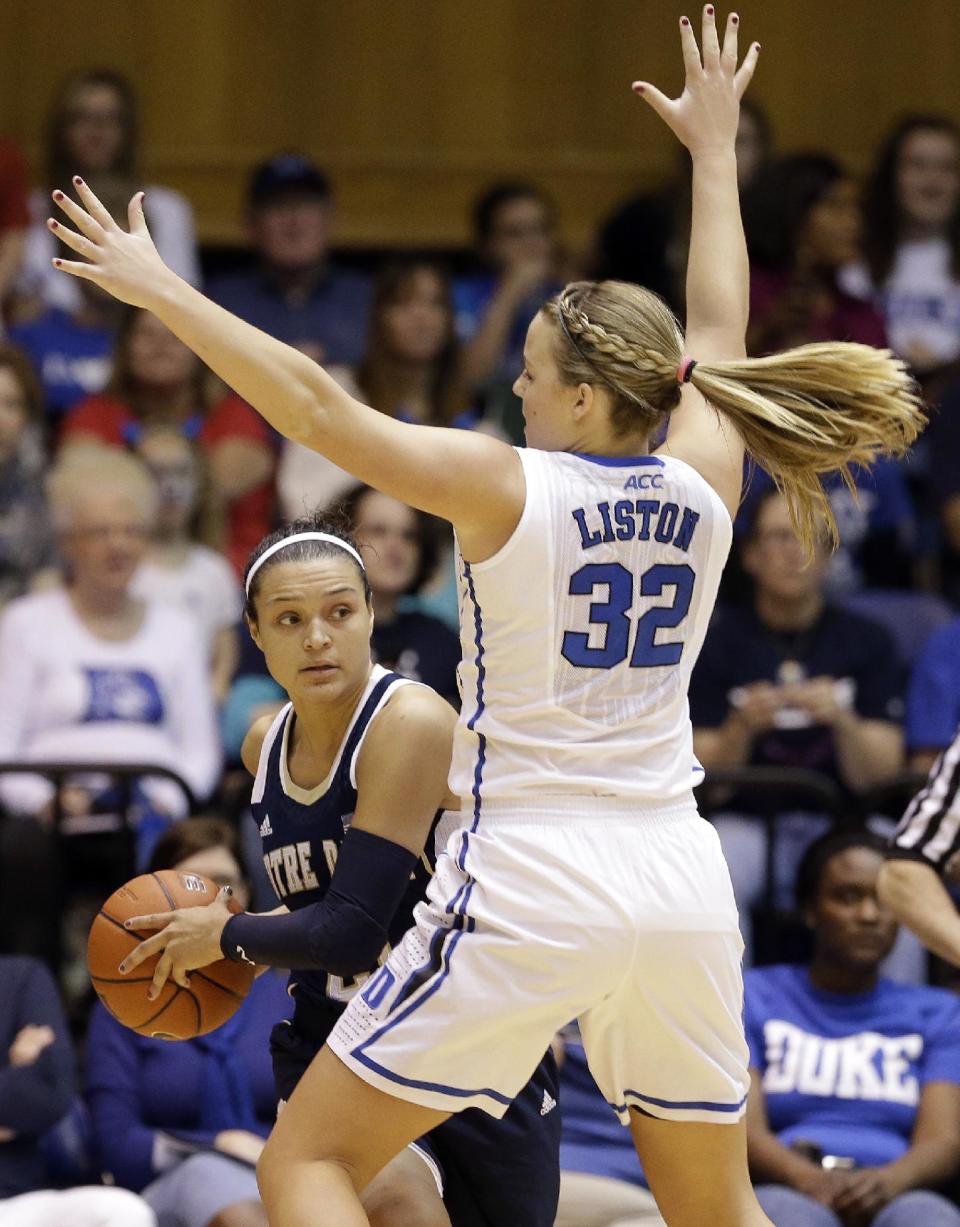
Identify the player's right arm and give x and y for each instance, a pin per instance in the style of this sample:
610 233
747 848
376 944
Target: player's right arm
474 481
704 119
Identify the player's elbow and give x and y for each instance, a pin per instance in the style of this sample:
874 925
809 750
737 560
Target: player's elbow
347 941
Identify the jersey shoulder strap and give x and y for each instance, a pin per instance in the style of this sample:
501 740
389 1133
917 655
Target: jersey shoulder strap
272 738
376 700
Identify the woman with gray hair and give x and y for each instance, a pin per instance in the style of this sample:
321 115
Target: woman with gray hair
88 672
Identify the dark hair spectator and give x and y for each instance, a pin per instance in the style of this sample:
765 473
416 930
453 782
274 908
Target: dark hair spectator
791 680
93 131
855 1089
912 239
157 380
36 1090
180 567
645 240
515 237
26 540
803 226
411 370
184 1123
296 292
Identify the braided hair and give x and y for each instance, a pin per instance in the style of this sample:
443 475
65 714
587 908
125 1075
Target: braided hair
802 414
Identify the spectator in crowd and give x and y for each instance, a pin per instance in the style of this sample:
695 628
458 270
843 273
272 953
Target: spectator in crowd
26 539
93 131
399 551
790 680
36 1088
515 238
88 672
185 1123
876 527
410 370
71 350
295 292
645 240
601 1182
912 240
179 567
933 698
14 214
803 226
854 1107
157 380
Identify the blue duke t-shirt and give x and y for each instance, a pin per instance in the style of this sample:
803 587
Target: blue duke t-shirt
845 1071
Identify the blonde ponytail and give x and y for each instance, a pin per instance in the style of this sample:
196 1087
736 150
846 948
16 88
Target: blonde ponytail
815 410
802 413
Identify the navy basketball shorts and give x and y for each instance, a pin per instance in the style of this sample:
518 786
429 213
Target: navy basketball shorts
491 1173
560 908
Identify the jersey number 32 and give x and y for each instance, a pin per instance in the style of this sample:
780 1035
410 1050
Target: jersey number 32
613 614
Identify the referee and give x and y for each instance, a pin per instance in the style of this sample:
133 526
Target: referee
923 845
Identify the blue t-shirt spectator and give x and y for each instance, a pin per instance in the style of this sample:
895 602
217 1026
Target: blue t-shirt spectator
933 698
876 525
845 1071
72 360
471 299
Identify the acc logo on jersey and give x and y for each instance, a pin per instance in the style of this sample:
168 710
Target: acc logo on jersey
644 481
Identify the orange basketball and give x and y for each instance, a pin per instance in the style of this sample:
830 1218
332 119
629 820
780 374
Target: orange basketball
215 992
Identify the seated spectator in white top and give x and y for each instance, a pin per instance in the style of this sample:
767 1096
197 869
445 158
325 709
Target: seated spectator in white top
912 240
180 567
36 1087
89 672
92 130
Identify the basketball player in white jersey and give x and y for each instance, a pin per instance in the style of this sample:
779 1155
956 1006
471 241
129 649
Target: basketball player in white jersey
582 882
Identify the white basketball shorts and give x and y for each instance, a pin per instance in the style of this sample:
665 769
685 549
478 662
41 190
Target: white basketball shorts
579 907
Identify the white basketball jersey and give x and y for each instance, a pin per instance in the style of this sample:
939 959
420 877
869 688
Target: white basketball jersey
580 634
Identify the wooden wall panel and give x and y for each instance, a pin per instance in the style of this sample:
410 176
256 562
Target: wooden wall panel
413 105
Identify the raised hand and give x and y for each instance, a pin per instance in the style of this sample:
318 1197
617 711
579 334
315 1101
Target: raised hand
704 117
126 265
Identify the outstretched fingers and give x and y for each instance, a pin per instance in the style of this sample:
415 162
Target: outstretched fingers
745 71
83 221
689 48
728 56
76 242
711 44
92 204
135 218
657 100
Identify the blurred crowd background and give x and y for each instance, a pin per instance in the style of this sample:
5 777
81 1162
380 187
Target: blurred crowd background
395 189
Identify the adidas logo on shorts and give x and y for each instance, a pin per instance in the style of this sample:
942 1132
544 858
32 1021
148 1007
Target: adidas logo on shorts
549 1103
265 827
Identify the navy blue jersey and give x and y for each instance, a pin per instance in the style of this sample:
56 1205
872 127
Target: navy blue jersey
301 830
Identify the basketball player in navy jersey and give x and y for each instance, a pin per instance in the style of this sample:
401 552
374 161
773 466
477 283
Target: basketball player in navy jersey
350 786
581 881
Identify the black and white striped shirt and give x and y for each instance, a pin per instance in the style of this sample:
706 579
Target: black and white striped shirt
929 831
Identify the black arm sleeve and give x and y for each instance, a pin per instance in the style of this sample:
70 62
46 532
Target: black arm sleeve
346 931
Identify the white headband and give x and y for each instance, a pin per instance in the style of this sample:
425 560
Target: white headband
282 545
